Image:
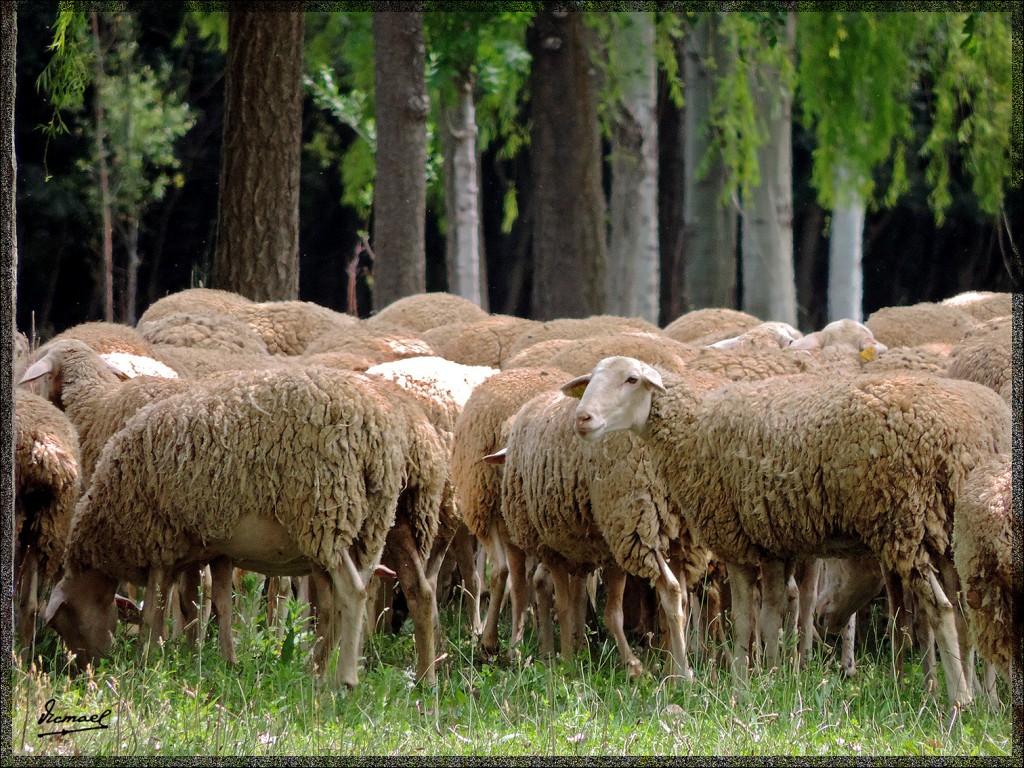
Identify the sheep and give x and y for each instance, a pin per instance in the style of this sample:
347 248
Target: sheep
982 305
22 353
582 506
202 300
923 323
481 342
199 362
287 472
288 327
706 326
984 357
581 355
982 554
210 330
846 585
371 342
477 485
771 335
128 353
422 311
580 328
536 355
760 468
46 487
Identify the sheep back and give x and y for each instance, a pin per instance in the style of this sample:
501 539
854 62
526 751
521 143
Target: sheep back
706 326
918 324
481 342
212 330
289 327
422 311
203 300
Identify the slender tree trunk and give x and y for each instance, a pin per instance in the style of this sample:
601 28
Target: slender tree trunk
845 278
131 280
107 247
257 251
670 199
769 283
462 194
709 249
400 193
634 277
569 227
8 287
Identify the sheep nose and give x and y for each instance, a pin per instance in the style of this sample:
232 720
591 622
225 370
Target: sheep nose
584 423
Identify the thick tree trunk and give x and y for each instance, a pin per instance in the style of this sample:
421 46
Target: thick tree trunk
633 288
400 192
845 277
709 248
257 252
769 283
8 287
462 194
569 227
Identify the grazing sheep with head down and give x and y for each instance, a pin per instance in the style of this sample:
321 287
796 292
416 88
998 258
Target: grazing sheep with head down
983 555
918 324
210 330
808 466
46 487
480 342
201 300
706 326
580 328
423 311
283 472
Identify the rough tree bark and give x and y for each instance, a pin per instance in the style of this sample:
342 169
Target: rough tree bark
769 283
400 192
257 251
633 288
709 247
569 248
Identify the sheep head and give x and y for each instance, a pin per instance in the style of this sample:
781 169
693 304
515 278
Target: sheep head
83 611
616 395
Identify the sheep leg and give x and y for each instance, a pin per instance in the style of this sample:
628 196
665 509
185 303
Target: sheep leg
742 580
499 576
544 588
157 585
673 597
773 603
808 598
419 594
519 590
941 617
188 590
847 662
991 693
27 580
221 571
899 620
465 556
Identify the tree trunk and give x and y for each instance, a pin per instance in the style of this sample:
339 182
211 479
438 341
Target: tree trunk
845 278
670 197
400 192
131 279
709 247
257 251
769 283
107 247
462 194
633 288
569 227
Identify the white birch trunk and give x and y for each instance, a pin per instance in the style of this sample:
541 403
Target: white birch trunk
463 196
845 277
633 287
769 281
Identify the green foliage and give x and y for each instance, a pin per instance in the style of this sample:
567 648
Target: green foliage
668 30
855 75
68 74
210 25
971 58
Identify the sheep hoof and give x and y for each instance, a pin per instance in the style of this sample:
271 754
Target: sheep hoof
634 668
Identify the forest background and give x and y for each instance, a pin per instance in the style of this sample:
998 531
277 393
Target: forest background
800 166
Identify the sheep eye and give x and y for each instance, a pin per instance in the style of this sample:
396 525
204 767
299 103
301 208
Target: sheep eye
632 380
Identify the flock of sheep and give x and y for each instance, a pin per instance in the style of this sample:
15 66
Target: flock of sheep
765 482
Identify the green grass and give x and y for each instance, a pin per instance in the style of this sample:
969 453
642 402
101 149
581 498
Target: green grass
185 701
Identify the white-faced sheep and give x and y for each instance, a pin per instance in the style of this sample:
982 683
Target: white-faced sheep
983 554
478 433
803 466
423 311
579 507
481 342
706 326
46 488
771 335
284 472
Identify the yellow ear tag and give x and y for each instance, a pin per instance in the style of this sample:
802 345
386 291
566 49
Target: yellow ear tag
867 354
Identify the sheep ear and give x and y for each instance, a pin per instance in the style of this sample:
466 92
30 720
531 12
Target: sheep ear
58 600
652 378
576 387
498 457
808 342
383 572
38 369
127 611
725 343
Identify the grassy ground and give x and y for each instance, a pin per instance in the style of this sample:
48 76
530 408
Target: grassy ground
185 702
